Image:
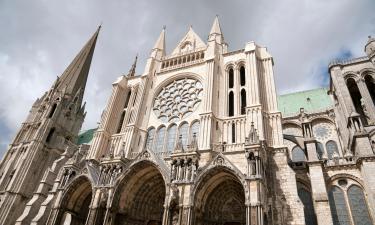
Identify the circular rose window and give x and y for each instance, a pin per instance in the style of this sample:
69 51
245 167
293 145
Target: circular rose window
178 100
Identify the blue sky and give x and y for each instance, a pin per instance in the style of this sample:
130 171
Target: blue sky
39 39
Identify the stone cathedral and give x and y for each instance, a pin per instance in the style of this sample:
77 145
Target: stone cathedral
199 138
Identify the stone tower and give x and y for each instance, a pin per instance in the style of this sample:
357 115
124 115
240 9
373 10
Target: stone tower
50 130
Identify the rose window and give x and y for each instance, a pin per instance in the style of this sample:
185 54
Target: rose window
322 131
178 100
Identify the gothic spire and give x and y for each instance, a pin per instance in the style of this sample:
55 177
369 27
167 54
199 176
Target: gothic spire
132 69
216 31
160 43
75 75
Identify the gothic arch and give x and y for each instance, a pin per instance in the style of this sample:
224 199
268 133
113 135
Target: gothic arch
339 176
350 74
322 119
177 76
219 196
76 200
229 65
291 124
367 71
140 194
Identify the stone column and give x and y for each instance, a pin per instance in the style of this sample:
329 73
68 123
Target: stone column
318 186
369 105
91 217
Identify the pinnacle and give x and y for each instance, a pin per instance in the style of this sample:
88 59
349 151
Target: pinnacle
215 29
160 43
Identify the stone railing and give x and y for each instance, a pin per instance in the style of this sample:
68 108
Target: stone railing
175 62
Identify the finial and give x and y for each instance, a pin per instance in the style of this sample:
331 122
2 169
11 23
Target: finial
164 27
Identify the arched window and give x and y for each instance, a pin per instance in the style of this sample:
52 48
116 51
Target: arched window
233 133
243 102
50 134
242 76
231 104
331 147
370 83
52 110
160 139
171 138
308 207
298 155
319 150
194 131
231 78
121 122
338 206
358 206
183 133
150 137
356 98
127 99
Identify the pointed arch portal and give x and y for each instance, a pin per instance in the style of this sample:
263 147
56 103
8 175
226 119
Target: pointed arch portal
76 203
220 199
140 197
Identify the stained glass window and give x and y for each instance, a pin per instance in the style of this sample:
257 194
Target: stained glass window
305 196
298 155
178 100
183 132
338 206
194 130
231 78
160 140
242 76
331 147
358 206
150 137
319 150
171 138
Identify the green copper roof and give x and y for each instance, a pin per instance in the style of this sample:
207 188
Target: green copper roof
85 136
311 100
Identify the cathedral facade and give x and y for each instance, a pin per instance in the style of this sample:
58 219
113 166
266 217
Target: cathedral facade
200 137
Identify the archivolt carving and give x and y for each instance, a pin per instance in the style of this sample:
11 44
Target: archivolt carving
219 195
219 163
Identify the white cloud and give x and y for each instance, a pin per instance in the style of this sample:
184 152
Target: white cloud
39 39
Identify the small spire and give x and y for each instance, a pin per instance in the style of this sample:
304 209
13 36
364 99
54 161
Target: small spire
160 43
132 69
215 29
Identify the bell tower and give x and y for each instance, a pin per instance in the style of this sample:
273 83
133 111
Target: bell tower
51 127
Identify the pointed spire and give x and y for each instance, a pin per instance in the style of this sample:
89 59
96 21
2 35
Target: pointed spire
216 31
132 69
160 43
75 76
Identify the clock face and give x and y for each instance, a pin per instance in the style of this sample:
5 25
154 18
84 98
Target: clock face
178 100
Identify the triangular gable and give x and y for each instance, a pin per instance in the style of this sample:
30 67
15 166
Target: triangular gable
190 42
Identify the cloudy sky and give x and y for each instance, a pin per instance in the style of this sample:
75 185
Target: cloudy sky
39 38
